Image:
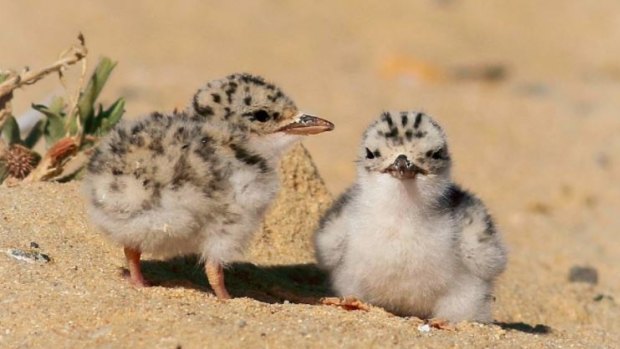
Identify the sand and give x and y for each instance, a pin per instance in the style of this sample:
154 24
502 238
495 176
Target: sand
80 298
539 144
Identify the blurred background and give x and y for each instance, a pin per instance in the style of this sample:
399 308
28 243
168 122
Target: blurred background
526 90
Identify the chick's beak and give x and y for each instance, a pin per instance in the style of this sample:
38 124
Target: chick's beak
304 124
402 168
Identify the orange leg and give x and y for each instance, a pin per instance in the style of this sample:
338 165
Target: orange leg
215 274
133 262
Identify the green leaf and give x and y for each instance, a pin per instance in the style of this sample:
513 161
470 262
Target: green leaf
3 76
94 126
110 117
57 106
10 131
35 134
86 103
55 125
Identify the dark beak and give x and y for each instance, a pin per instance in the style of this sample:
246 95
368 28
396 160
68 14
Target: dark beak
307 125
402 168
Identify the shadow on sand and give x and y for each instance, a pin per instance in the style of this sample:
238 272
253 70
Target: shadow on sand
299 283
523 327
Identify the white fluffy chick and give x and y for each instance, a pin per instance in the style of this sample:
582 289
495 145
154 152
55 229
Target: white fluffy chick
405 237
199 181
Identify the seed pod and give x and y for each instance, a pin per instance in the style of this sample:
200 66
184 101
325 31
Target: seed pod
20 161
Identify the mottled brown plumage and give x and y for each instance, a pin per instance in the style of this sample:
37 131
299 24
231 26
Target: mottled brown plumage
197 181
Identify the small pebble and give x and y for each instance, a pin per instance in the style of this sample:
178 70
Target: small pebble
600 297
533 89
34 244
241 323
424 328
28 256
482 72
583 274
603 160
540 208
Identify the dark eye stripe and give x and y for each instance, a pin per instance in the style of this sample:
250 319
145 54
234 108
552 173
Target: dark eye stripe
418 119
403 119
388 118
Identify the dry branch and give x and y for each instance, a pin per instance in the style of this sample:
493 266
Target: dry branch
13 81
52 163
64 133
73 55
5 109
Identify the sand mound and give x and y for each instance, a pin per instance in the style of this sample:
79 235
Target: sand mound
286 234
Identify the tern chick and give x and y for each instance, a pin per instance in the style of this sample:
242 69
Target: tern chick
198 181
404 236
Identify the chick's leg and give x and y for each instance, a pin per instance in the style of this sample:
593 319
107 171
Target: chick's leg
133 263
215 274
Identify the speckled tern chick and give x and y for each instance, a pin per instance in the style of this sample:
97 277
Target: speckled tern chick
404 236
198 181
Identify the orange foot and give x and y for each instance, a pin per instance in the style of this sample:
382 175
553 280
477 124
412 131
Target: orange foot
440 324
346 303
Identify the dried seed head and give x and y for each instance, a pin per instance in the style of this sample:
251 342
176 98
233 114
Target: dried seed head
61 150
20 161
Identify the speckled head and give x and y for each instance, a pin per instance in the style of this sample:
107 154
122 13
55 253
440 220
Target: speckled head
405 145
254 104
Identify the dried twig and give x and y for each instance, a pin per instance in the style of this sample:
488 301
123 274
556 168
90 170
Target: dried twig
13 81
73 101
5 108
52 163
64 132
73 55
3 149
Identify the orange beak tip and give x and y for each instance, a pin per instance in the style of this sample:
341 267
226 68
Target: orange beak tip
307 125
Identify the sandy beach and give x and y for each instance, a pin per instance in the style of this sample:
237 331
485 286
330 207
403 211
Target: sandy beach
526 92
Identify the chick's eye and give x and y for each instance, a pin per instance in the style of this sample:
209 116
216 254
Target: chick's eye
437 154
369 154
260 116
